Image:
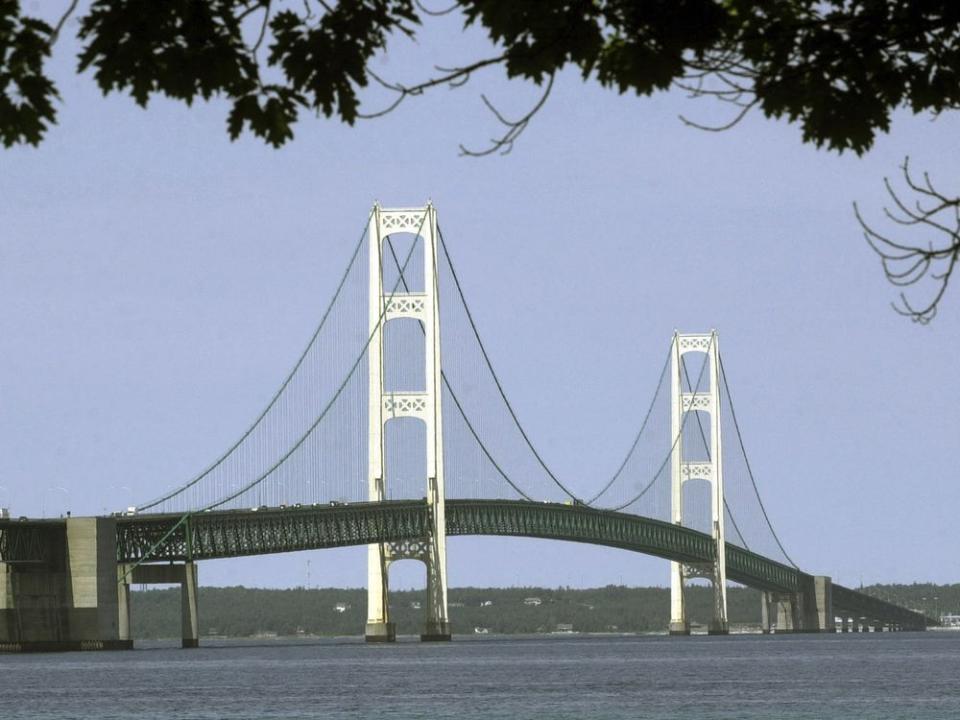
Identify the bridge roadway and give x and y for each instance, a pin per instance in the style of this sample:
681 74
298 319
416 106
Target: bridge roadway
234 533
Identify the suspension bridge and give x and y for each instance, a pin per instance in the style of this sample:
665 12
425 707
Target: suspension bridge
390 434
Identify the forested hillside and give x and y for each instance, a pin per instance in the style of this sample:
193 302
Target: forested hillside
244 612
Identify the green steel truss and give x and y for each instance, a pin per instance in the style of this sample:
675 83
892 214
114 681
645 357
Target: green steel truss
32 542
221 534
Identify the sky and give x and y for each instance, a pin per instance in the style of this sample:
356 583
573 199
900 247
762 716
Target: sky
157 281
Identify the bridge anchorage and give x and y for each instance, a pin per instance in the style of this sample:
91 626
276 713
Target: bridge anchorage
321 467
420 403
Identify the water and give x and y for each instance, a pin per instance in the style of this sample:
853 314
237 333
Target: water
874 676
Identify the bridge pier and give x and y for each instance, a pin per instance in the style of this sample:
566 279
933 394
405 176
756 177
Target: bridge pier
184 575
766 612
787 610
817 606
807 611
64 596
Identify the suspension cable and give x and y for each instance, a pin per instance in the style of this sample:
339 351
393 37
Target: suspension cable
446 381
336 395
636 439
496 379
673 447
276 396
753 481
706 445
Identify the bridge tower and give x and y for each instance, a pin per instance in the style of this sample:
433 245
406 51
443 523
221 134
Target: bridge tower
388 304
689 396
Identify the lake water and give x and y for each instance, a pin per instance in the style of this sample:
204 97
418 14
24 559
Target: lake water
873 676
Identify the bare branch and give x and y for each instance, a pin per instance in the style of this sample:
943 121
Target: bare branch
452 77
724 76
504 143
263 27
744 109
907 264
63 21
435 13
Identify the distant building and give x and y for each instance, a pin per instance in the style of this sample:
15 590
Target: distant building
532 601
341 607
564 628
415 604
951 621
486 603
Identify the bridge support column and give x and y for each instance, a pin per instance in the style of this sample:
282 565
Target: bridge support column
766 621
788 612
678 611
816 605
66 598
123 601
184 575
437 626
690 396
387 304
379 628
189 618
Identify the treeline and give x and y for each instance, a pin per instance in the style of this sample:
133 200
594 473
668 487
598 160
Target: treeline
247 612
932 600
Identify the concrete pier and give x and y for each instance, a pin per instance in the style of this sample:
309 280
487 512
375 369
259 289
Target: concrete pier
69 593
807 611
817 606
182 574
66 597
380 632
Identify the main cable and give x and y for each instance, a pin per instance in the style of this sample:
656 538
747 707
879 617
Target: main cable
673 446
336 395
446 381
706 445
636 440
496 379
753 481
276 396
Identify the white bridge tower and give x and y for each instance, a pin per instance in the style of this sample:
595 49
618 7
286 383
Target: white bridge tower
687 398
386 305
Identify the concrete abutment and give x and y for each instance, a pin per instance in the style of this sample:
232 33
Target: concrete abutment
73 595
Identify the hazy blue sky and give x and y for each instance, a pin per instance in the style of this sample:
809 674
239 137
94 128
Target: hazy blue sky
157 281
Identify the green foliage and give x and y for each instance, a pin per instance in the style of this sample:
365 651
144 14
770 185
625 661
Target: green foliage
26 94
838 68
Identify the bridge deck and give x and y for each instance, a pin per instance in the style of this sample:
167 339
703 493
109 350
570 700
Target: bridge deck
236 533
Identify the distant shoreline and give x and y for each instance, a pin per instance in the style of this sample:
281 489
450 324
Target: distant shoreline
324 613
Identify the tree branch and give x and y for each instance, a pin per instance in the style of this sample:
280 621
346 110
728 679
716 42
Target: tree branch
504 143
907 264
63 21
453 77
